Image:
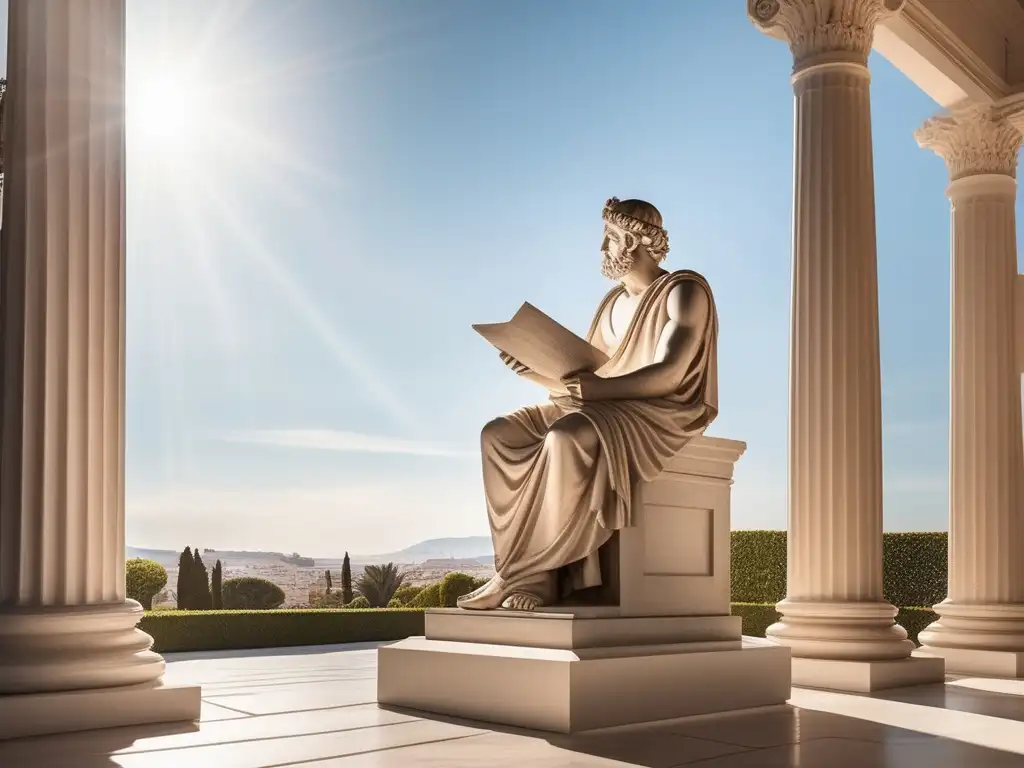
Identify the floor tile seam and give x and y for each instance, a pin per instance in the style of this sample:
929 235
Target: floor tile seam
309 679
295 711
373 751
283 737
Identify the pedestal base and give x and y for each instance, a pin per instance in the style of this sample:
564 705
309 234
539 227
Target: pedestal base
567 691
867 676
41 714
965 661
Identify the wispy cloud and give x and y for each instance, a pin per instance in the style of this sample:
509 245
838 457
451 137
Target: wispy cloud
350 442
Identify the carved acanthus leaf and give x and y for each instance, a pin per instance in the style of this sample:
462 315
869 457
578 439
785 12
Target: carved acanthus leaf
972 139
817 27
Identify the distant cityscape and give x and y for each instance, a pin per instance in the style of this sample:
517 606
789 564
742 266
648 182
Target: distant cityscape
297 575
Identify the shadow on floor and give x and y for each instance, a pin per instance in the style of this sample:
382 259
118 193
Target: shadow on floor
939 726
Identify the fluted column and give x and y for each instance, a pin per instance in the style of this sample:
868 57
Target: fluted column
981 624
834 612
64 621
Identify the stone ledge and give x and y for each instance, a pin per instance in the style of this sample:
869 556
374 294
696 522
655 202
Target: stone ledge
43 714
557 690
565 629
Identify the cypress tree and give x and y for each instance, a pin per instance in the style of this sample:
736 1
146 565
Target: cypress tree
203 602
185 566
217 587
346 581
327 578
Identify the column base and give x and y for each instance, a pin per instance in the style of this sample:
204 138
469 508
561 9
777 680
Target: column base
42 714
80 647
867 676
977 638
840 631
970 661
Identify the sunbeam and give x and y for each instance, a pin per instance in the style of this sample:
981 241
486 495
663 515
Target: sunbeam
343 351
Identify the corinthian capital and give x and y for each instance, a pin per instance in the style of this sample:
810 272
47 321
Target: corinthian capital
973 139
817 28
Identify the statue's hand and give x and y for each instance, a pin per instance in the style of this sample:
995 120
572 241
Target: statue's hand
583 386
514 364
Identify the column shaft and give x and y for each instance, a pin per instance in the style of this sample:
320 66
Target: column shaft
835 447
64 620
985 557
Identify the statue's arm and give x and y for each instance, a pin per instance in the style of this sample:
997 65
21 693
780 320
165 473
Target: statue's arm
689 311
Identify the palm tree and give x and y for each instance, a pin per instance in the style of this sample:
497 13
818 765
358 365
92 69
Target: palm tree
378 583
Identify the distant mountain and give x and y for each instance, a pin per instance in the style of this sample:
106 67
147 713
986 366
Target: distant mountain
464 548
165 557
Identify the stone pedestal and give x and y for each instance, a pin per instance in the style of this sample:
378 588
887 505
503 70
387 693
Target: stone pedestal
981 622
668 646
834 619
71 657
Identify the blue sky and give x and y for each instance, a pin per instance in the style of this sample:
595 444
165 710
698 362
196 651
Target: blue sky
347 186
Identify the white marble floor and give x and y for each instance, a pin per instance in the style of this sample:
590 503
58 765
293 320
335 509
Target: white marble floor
315 707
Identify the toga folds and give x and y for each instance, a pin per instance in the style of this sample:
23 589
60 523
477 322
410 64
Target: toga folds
554 496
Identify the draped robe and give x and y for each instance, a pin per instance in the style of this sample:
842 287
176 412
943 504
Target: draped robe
552 503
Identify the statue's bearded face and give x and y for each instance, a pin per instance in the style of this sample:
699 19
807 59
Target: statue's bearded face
618 251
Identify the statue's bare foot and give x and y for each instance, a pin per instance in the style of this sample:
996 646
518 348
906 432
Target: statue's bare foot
520 601
485 598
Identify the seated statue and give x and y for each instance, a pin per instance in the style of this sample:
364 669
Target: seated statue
561 477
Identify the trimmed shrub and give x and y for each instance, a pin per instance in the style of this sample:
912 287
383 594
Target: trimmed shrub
144 579
406 594
453 586
229 630
250 593
332 600
429 597
758 566
360 603
757 617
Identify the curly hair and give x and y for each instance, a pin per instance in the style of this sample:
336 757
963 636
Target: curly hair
642 220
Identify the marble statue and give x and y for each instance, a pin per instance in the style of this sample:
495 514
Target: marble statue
561 477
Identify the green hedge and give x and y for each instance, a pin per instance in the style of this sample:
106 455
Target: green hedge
233 630
913 570
230 630
758 566
915 619
757 617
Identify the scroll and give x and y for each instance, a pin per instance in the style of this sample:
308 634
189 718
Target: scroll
544 346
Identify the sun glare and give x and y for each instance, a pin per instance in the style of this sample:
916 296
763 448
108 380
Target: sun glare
164 112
